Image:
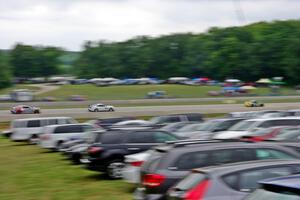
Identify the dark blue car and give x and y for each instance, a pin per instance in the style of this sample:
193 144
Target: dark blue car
282 188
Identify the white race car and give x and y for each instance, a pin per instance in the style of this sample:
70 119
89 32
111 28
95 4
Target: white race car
99 107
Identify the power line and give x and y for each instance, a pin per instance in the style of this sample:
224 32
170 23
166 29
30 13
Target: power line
239 12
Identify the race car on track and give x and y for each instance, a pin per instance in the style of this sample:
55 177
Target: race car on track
253 103
25 109
99 107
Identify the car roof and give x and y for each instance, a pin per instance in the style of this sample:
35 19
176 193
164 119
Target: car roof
273 118
60 125
240 166
292 181
41 118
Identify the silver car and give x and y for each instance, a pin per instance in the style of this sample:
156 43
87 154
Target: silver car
230 182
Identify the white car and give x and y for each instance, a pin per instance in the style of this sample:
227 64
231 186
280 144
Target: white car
245 127
30 128
55 135
99 107
132 169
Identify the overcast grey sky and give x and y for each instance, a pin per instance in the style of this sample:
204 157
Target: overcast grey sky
68 23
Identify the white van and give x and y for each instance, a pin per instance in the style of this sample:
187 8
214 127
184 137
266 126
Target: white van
55 135
247 126
30 128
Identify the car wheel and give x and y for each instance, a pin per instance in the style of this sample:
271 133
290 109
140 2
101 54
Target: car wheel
114 169
111 110
36 112
59 145
97 110
33 139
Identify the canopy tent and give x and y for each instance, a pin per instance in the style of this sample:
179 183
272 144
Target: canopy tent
264 81
248 87
232 81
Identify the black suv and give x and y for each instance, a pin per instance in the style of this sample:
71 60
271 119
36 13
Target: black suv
108 155
170 163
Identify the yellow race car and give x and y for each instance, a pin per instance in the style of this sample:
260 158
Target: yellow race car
253 103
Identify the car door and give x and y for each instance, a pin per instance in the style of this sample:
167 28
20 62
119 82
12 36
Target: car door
101 107
27 110
140 141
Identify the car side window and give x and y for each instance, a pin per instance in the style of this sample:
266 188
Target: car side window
172 119
161 137
52 121
141 137
223 156
192 160
262 154
61 129
33 123
248 179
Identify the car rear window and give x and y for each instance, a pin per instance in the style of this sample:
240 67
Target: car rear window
190 181
110 138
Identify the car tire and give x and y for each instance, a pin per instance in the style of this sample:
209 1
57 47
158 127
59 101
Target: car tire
59 145
114 169
36 112
111 110
33 139
97 110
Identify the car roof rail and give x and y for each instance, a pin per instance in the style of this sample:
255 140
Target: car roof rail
185 140
196 142
191 142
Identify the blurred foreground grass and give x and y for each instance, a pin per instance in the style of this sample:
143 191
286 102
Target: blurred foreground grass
30 173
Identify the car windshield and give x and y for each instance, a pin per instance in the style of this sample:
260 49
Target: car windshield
209 125
293 134
242 126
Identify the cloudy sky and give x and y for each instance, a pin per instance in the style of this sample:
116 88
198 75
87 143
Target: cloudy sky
68 23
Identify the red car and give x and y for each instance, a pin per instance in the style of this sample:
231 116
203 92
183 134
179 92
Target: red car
268 133
25 109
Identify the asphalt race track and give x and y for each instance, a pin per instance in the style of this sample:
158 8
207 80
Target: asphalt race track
5 115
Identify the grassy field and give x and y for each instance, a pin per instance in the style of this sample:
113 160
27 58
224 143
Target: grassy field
139 91
30 173
19 86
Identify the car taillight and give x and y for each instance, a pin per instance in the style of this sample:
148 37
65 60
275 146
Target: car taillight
93 150
136 163
45 137
198 192
153 180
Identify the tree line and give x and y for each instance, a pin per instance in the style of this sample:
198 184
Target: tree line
248 53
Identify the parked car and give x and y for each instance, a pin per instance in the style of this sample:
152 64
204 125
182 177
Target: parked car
55 135
132 170
31 128
173 127
269 133
156 95
231 181
76 150
246 127
25 109
108 155
169 164
168 119
253 103
99 107
106 123
292 135
286 187
212 127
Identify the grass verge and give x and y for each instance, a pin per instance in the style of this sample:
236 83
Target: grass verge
30 173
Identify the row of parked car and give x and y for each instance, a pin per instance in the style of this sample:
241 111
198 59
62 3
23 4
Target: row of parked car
182 156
